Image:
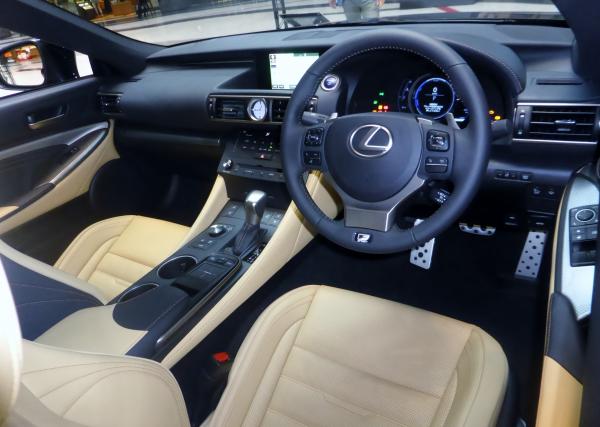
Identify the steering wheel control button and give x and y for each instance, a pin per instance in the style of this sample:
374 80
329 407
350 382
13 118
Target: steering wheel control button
436 164
438 140
314 137
312 158
330 83
362 237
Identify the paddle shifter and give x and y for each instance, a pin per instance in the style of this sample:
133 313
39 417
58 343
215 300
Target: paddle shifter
249 236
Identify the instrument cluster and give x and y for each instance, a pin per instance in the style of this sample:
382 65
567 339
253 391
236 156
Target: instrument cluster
429 95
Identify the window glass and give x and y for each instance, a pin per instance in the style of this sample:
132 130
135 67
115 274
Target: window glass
167 22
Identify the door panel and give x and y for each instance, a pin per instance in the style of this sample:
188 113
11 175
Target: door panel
53 141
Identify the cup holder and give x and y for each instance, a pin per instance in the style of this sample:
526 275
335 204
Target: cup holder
177 267
136 291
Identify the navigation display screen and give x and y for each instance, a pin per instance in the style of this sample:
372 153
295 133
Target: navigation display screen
288 68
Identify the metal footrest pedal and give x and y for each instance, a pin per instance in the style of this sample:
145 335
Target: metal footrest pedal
531 255
421 255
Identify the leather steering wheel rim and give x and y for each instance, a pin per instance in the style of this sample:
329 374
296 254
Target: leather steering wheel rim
467 159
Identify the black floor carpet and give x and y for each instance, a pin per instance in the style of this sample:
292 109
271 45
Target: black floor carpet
471 279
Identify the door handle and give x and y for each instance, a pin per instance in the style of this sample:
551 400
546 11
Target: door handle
38 124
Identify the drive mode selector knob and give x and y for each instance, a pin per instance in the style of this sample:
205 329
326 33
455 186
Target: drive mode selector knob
216 230
227 164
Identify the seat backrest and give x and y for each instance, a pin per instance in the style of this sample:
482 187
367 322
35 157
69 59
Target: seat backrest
10 349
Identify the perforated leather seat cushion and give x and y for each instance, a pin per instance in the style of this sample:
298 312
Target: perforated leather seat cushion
321 356
114 253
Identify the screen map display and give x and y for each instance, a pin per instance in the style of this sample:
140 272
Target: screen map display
288 68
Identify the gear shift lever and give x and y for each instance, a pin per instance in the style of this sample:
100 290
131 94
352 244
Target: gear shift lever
248 237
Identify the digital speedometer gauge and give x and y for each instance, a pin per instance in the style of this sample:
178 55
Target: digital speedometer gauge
434 98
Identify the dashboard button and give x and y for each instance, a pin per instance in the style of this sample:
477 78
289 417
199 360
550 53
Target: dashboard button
438 140
526 176
330 82
263 156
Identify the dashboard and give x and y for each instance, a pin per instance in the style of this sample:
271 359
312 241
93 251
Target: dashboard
228 97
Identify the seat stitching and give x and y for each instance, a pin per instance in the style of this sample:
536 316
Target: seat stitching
368 373
117 366
480 372
92 266
52 300
254 332
454 374
142 370
66 291
318 390
271 360
288 416
85 234
79 377
79 365
130 259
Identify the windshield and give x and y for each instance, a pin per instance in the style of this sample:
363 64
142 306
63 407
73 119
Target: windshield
168 22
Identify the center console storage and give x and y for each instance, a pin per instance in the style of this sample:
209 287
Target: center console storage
168 300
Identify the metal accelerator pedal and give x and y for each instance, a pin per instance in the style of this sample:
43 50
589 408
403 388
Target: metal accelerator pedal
531 255
421 255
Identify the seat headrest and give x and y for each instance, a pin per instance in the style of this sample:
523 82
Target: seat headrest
10 348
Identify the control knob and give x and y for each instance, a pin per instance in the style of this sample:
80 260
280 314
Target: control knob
227 164
216 230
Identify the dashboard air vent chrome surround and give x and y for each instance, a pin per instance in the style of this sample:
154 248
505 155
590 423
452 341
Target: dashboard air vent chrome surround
557 123
237 108
110 103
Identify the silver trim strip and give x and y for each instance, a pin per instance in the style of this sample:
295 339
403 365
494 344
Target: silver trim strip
45 122
554 141
64 138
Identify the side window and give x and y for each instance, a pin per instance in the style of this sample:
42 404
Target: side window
27 63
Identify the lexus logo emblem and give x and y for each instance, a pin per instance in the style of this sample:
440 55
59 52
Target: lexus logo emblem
370 141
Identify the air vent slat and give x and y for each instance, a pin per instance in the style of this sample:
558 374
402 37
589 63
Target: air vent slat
279 107
578 123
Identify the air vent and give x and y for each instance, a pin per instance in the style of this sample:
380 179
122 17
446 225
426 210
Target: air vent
231 109
577 123
278 109
110 103
237 108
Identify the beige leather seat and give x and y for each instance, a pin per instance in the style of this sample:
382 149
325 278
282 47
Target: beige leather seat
317 356
113 254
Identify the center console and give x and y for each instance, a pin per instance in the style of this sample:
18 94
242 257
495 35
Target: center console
253 153
170 299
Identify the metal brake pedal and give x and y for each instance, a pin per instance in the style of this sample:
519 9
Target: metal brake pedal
421 255
531 255
480 230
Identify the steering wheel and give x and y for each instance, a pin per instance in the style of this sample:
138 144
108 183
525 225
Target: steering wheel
376 161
